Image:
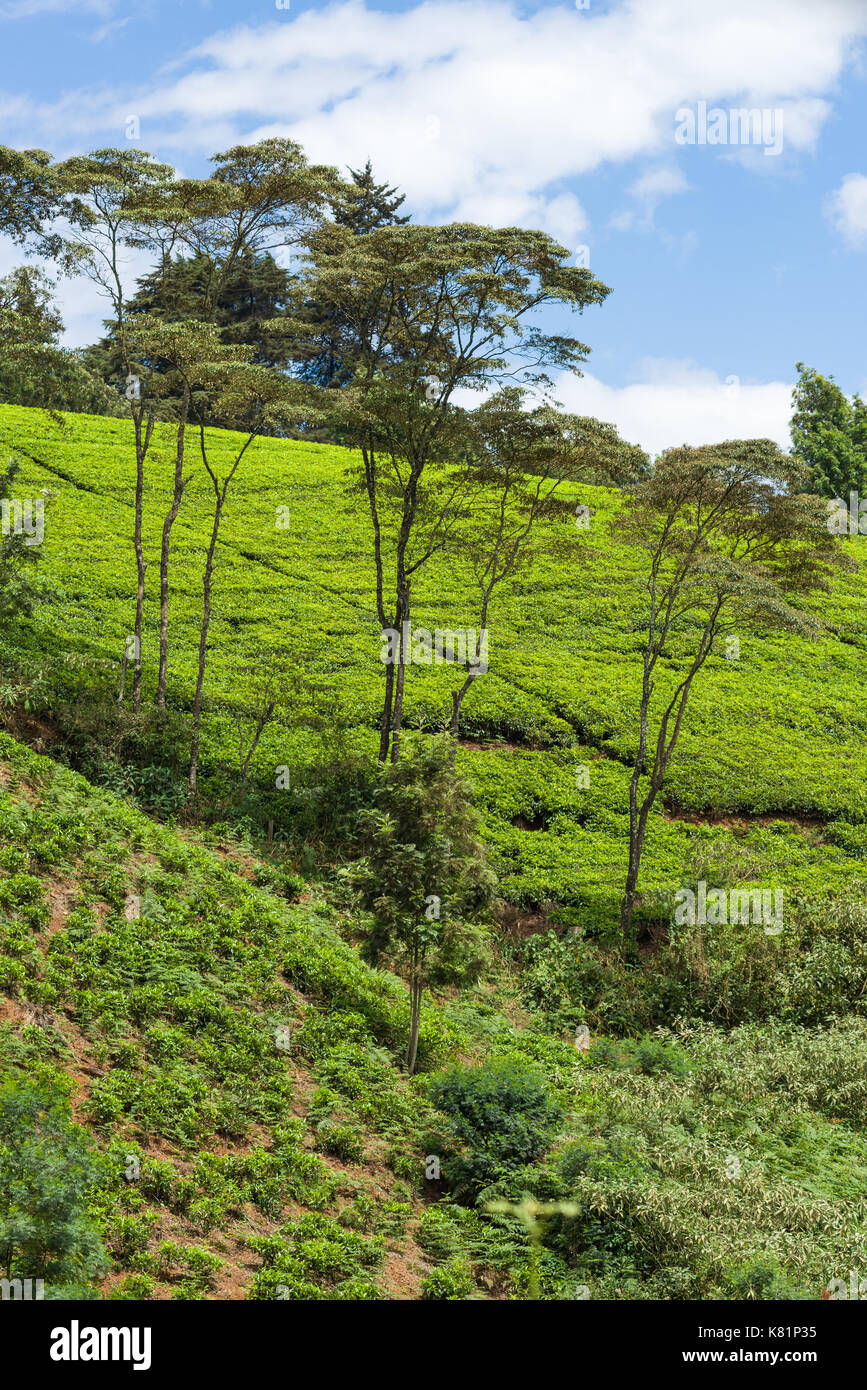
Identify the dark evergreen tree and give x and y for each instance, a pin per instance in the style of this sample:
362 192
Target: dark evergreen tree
256 292
362 205
365 204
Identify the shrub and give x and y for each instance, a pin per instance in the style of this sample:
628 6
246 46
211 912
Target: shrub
452 1283
47 1173
503 1114
343 1141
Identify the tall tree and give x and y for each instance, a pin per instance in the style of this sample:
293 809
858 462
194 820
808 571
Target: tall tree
261 199
256 292
726 540
361 205
424 879
257 399
111 217
520 459
430 311
829 435
32 197
210 376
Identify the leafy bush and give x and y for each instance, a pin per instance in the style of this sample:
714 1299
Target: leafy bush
503 1114
47 1172
452 1282
342 1140
648 1055
315 1258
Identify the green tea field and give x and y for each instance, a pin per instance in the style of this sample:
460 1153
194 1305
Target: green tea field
772 761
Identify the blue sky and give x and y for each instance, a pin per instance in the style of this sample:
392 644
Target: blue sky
727 263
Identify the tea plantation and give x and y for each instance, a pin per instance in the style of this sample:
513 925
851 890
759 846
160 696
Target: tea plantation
200 1044
772 760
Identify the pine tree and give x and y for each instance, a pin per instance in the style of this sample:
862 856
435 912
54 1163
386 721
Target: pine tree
255 292
363 206
366 204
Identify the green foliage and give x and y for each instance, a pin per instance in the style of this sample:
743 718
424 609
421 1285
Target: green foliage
20 540
420 840
423 874
315 1258
179 1009
255 291
773 742
342 1140
501 1112
649 1056
828 435
764 1281
453 1282
47 1172
34 369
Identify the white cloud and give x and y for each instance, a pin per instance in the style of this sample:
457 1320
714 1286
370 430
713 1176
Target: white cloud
105 31
658 183
679 402
480 111
523 102
648 191
847 208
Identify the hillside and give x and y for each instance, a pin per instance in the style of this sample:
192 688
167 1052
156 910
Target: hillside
239 1168
192 979
770 767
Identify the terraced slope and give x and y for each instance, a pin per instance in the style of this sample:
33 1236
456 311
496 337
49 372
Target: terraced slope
772 762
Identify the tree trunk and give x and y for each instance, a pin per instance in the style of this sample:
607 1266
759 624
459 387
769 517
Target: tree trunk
261 723
203 643
397 711
141 448
164 551
123 667
454 727
385 723
220 493
414 1022
627 904
139 622
403 626
665 746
